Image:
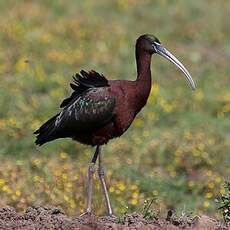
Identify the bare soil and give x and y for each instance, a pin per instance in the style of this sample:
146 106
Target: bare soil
50 217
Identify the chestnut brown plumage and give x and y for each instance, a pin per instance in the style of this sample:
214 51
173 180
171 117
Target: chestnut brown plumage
99 109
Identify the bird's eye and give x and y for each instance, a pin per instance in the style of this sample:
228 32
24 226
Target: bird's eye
155 46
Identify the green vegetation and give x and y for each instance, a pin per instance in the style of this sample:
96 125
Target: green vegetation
224 201
147 210
178 147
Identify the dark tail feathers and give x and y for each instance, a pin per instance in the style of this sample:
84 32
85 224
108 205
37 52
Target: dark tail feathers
46 132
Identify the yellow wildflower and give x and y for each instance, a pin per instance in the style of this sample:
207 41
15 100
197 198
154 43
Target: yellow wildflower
21 64
66 198
69 185
37 178
198 95
153 92
63 155
17 193
7 189
2 182
111 189
206 204
134 201
64 176
121 186
209 195
36 162
76 177
211 185
135 194
218 179
138 122
222 190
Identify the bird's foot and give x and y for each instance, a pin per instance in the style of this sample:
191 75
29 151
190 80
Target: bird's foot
87 213
110 217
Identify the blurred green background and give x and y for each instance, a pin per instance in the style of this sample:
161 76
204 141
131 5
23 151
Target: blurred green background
178 147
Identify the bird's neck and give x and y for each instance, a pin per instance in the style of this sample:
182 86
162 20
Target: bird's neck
143 60
143 80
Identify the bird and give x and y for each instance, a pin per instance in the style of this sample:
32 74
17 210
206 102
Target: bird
99 109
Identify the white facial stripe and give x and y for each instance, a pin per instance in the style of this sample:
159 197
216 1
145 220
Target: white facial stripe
157 43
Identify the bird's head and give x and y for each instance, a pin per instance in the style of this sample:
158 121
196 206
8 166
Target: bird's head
150 44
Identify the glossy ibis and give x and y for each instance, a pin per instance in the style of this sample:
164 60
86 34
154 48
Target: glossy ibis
99 109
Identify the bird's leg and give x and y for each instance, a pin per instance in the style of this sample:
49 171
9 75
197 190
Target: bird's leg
91 171
101 174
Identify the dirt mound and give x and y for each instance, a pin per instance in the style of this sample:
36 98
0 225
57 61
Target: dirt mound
53 218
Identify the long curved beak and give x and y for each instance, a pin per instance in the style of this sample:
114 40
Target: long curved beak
166 54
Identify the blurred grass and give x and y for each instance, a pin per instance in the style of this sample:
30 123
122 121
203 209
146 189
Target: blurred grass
177 148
